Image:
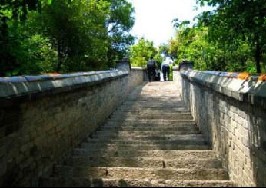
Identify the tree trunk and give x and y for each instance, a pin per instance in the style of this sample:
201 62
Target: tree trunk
60 56
258 55
4 53
258 52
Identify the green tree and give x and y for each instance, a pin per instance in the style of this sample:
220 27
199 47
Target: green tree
20 47
89 34
141 52
119 23
82 34
239 20
75 27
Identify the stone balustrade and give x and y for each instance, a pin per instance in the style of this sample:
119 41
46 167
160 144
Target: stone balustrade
42 118
230 110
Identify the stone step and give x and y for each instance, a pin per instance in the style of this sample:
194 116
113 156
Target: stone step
151 117
144 95
152 122
125 108
141 173
154 97
144 162
150 128
161 107
159 116
150 111
151 97
144 122
131 152
144 139
136 107
153 104
148 146
131 134
118 182
183 125
154 100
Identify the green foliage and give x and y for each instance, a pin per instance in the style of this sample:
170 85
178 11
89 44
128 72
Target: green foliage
32 52
73 28
141 52
38 36
239 22
120 22
230 38
194 44
35 55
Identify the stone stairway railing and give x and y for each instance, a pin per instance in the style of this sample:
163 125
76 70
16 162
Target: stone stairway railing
151 140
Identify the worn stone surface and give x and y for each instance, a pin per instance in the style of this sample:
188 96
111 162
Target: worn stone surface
145 142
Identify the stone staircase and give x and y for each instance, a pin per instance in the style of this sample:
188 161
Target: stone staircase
151 140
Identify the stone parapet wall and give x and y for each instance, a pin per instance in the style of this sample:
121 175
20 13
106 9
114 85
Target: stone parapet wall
137 76
231 112
30 85
42 118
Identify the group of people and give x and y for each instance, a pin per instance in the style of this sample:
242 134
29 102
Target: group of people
154 71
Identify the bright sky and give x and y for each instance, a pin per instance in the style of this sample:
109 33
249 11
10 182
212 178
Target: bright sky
153 18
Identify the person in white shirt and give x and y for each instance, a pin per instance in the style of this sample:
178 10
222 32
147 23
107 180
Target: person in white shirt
165 67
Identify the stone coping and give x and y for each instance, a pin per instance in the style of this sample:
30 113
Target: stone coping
25 85
248 90
138 68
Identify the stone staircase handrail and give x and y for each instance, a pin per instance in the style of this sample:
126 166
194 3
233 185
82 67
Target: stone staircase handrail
25 85
250 91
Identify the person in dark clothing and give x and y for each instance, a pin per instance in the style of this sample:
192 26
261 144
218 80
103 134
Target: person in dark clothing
151 66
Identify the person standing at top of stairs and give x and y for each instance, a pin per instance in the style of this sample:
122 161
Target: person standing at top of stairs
165 67
151 67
